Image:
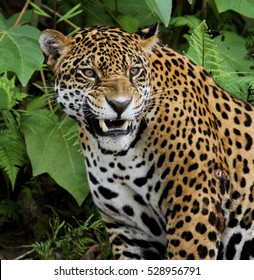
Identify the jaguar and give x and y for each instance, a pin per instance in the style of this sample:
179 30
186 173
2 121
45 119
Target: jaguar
169 154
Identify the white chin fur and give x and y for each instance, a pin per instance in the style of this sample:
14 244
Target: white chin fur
117 144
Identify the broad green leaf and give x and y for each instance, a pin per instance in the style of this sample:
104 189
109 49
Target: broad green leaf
10 21
137 9
95 12
162 8
2 24
20 52
51 152
232 58
128 23
244 7
233 50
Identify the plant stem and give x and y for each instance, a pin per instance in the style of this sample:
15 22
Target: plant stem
46 90
58 15
22 12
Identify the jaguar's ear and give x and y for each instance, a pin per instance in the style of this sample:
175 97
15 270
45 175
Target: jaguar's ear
54 44
148 37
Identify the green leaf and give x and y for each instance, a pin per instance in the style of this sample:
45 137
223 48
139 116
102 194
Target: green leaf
11 154
2 24
137 9
37 102
71 13
224 57
233 50
9 209
189 20
39 11
10 21
51 152
162 8
232 58
244 7
96 15
128 23
4 100
202 49
9 93
12 148
20 52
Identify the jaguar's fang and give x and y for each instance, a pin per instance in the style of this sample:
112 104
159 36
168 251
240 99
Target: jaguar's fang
109 125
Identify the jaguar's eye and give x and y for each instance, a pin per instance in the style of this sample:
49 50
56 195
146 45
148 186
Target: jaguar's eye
135 71
89 73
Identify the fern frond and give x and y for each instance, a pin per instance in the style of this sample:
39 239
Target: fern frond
10 95
189 20
12 154
229 67
202 49
9 210
249 38
43 249
12 146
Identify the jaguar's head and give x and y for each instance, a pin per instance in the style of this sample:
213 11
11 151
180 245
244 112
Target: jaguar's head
103 79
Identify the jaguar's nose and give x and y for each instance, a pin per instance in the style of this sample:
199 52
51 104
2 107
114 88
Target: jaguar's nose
118 106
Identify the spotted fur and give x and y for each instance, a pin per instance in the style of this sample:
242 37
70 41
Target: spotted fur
169 154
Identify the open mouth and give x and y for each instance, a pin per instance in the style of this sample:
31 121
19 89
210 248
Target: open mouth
104 127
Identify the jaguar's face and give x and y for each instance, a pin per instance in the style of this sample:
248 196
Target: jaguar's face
103 80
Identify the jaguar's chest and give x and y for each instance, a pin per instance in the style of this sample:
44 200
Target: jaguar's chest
124 187
132 172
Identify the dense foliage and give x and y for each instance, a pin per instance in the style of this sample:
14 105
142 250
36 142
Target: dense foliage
42 173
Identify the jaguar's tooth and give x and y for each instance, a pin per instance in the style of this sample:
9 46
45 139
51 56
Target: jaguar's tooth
125 125
100 123
103 126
